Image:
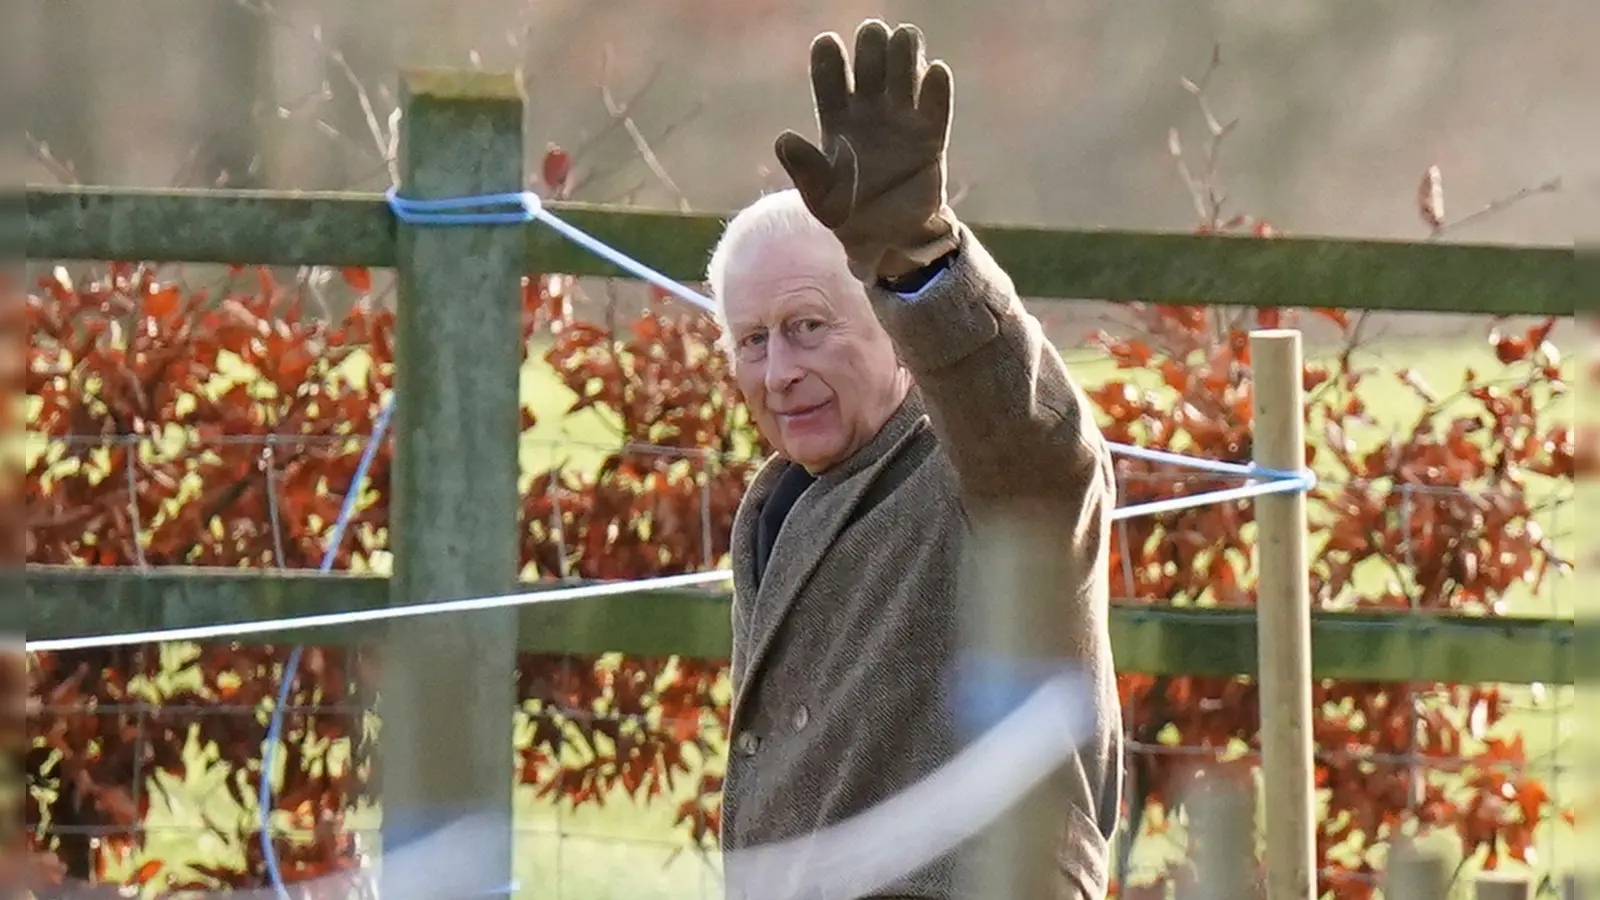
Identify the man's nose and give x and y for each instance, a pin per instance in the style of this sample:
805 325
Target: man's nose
783 365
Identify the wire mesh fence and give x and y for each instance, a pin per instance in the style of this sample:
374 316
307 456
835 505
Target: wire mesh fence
148 484
621 758
199 821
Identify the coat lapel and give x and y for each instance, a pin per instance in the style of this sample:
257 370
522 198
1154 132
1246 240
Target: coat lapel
810 529
745 530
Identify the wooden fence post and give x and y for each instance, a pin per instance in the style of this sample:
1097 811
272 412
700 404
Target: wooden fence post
1283 604
446 745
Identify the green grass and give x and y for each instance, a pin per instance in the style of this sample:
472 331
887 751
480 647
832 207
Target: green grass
622 849
631 850
579 439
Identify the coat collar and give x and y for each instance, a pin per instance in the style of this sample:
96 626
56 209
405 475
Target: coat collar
826 508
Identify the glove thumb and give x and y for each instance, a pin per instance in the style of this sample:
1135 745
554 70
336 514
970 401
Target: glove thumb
813 175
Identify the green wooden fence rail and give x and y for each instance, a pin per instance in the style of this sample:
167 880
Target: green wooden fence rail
77 602
347 229
454 528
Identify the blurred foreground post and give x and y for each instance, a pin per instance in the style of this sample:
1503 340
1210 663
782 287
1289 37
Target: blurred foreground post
1016 632
446 745
1283 608
1503 886
1222 829
1030 639
1414 875
14 749
15 743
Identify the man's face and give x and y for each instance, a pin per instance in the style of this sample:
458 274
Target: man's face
817 370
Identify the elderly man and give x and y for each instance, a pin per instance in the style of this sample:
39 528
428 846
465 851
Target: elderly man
914 406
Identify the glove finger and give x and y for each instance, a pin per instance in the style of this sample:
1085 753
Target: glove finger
813 175
830 80
872 50
846 180
906 64
936 97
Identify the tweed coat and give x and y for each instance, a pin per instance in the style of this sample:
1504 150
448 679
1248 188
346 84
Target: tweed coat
842 655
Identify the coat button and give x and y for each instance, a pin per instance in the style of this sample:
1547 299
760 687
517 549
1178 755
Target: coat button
747 743
801 717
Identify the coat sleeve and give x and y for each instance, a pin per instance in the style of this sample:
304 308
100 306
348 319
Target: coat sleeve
1013 420
1038 488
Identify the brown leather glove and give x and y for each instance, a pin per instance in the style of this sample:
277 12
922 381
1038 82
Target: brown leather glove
878 180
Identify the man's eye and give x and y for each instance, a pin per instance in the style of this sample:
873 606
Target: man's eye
809 324
753 339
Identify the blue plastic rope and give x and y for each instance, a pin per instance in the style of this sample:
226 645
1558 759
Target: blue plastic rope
1273 485
531 209
291 666
1198 463
447 212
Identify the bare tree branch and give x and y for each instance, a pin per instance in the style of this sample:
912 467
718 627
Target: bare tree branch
1498 206
614 123
1205 190
1196 194
63 171
384 144
625 196
620 117
619 112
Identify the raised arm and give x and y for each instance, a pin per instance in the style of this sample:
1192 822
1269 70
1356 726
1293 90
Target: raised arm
1037 485
1011 417
1034 472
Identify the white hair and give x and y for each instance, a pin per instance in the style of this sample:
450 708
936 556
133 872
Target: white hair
779 215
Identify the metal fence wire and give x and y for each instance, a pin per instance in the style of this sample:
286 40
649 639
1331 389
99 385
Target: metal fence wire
188 813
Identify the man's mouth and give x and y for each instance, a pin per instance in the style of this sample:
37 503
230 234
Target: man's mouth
801 412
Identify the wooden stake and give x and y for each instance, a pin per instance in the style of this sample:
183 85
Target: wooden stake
1284 621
